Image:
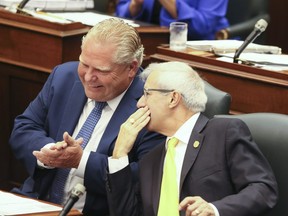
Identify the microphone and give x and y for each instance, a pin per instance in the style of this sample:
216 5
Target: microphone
76 192
260 27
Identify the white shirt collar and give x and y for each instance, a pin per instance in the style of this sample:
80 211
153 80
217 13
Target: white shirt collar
184 132
111 103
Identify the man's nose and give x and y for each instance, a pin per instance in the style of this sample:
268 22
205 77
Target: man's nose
141 102
90 74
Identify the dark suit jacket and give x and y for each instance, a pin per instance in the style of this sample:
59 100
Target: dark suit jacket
227 169
57 109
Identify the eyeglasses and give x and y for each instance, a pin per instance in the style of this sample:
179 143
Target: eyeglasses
147 91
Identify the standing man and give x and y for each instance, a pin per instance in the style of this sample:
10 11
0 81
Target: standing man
50 134
214 166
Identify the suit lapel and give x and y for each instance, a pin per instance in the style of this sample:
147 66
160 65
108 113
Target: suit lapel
120 115
193 148
157 178
73 110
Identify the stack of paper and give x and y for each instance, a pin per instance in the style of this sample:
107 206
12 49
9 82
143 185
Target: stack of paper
230 46
264 61
89 18
11 204
53 5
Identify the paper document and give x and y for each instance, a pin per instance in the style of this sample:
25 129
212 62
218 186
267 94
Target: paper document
230 46
54 5
48 16
89 18
11 204
264 61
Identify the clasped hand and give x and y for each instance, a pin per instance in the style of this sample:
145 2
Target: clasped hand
64 154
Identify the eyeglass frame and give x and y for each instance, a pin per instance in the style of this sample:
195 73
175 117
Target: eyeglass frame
146 91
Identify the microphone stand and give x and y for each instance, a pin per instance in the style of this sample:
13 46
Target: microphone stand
76 192
260 27
21 6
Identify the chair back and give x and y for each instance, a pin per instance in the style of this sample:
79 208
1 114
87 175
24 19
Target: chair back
242 10
242 16
101 5
270 132
218 101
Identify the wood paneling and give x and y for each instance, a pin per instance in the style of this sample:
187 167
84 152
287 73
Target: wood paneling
277 31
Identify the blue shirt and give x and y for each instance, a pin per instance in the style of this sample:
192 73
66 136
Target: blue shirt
204 17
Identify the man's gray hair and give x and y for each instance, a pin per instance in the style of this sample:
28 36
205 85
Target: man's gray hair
123 35
182 78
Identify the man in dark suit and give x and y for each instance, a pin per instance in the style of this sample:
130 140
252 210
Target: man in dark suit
107 72
219 168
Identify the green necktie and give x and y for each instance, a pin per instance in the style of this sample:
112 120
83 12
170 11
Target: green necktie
169 201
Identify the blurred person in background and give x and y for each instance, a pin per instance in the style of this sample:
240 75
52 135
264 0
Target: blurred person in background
204 17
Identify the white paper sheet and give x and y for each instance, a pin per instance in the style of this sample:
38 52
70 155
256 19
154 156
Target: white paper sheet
11 204
230 46
89 18
55 5
264 61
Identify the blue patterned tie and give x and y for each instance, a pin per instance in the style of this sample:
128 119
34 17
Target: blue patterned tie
85 132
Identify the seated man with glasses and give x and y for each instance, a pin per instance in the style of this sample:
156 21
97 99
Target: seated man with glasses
205 167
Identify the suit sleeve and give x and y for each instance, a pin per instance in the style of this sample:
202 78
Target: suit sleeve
123 194
97 175
250 172
39 124
29 132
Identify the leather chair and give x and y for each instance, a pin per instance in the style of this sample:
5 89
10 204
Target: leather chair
105 6
218 101
242 16
269 130
101 5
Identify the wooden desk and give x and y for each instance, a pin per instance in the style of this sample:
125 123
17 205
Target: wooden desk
73 212
252 89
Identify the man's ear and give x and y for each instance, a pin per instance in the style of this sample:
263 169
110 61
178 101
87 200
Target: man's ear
133 68
175 98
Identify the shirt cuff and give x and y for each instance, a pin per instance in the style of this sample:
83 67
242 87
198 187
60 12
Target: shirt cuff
116 165
80 171
40 164
216 212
